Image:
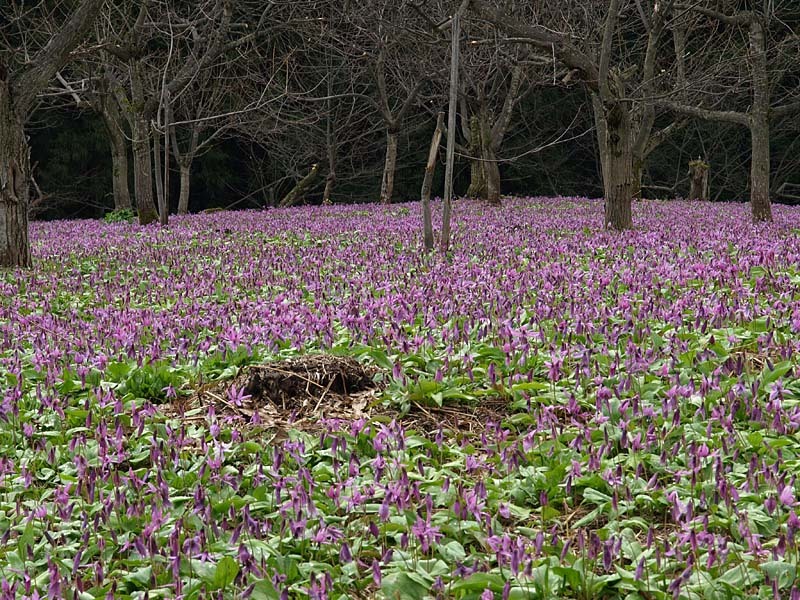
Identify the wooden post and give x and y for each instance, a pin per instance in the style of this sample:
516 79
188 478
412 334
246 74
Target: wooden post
163 217
698 172
427 183
451 127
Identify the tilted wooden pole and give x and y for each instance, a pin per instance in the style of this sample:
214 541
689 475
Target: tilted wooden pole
427 183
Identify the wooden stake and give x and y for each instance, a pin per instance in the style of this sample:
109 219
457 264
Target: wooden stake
451 127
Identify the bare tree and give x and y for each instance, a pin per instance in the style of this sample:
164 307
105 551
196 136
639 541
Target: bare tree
153 56
23 74
587 40
322 110
766 61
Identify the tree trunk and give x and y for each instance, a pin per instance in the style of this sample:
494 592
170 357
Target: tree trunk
163 211
491 168
387 184
330 181
142 146
637 178
183 200
427 183
477 174
143 172
618 173
14 185
759 169
477 179
119 160
759 124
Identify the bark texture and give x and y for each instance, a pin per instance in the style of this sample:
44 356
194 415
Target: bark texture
17 97
159 177
387 183
119 155
491 168
143 172
14 185
759 125
139 117
186 181
760 205
618 171
477 174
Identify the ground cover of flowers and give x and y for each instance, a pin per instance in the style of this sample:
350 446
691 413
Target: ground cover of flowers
647 446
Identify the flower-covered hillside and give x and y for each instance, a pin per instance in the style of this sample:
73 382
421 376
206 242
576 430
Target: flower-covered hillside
644 446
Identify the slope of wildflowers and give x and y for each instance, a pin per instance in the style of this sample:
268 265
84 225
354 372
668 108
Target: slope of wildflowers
650 448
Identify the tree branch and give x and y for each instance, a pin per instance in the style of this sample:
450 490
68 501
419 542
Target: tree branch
54 55
558 43
725 116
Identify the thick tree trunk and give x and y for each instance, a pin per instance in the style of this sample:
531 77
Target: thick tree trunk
618 173
477 173
759 124
143 172
759 169
14 186
387 184
16 100
477 179
142 146
427 183
119 161
491 168
186 180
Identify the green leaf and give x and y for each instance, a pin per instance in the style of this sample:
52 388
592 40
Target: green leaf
778 371
738 577
781 571
400 586
573 577
478 582
225 573
453 551
140 577
264 590
596 497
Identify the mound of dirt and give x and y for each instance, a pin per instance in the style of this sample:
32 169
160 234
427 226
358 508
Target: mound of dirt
297 392
292 384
